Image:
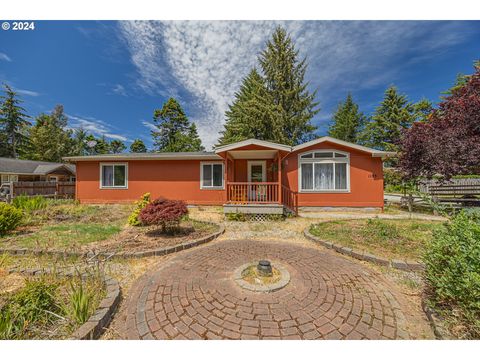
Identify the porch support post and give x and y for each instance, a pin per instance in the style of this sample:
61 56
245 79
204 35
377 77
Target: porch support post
279 177
226 177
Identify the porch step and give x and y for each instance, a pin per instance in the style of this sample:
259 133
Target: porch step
254 208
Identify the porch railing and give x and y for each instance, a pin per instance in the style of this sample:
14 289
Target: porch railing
290 199
252 192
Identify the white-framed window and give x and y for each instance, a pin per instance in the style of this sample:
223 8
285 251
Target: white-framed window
211 175
6 178
324 171
113 175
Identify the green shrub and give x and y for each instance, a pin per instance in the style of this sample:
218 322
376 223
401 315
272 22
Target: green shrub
236 217
140 204
30 203
452 260
10 218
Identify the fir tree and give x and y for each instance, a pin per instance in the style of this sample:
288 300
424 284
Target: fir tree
117 146
13 124
394 114
347 121
49 140
284 74
138 146
175 133
273 104
250 115
102 146
79 143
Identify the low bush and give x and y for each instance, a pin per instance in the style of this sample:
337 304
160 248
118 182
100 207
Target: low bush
30 203
10 218
452 273
133 219
164 213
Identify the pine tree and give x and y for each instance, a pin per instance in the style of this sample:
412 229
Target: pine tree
175 133
394 114
79 146
250 115
284 74
347 121
13 124
49 140
102 146
274 104
138 146
117 146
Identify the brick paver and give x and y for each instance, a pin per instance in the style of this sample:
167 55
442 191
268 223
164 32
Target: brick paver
194 296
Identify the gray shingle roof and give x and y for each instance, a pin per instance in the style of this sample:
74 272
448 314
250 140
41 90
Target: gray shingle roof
16 166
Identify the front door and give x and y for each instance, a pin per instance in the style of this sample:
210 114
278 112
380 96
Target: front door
256 171
256 174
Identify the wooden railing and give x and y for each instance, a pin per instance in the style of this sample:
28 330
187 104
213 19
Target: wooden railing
290 199
252 192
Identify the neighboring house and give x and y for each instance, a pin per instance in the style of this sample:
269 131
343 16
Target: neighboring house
249 176
13 170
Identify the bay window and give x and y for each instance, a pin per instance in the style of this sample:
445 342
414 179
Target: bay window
324 171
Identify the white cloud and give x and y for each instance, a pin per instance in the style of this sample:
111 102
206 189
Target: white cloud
119 90
94 126
5 57
209 59
27 92
149 125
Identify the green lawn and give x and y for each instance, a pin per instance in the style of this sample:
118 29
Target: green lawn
387 238
67 235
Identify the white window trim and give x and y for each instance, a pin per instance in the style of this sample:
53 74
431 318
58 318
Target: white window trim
102 164
257 162
201 175
301 161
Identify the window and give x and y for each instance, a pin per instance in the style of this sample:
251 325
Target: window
113 176
8 178
324 171
211 176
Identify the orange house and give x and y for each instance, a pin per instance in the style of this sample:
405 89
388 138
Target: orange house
252 176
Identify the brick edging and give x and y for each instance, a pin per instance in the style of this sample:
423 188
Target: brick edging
436 323
120 255
404 265
96 324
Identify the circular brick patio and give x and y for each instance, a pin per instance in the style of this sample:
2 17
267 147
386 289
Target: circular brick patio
194 296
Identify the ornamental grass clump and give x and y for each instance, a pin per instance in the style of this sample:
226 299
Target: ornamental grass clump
164 213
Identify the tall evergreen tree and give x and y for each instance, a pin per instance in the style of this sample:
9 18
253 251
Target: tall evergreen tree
394 114
274 104
49 140
79 147
348 121
117 146
284 77
138 146
175 133
102 146
250 115
13 124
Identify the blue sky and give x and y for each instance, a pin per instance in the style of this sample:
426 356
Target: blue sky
111 76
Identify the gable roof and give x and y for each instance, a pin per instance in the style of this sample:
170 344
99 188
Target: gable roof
374 152
30 167
195 155
247 142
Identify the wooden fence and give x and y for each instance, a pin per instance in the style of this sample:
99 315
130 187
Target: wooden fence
458 186
60 189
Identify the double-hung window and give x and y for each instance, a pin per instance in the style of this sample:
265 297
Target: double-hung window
324 171
113 176
211 176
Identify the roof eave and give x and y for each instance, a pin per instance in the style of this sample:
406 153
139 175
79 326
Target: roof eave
150 157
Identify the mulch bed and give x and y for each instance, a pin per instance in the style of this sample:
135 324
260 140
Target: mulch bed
136 239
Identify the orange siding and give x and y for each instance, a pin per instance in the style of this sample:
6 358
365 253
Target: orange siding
173 179
366 180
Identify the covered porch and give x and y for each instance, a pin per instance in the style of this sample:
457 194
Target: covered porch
253 178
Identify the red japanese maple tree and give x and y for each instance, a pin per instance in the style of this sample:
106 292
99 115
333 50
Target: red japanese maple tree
164 213
448 143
